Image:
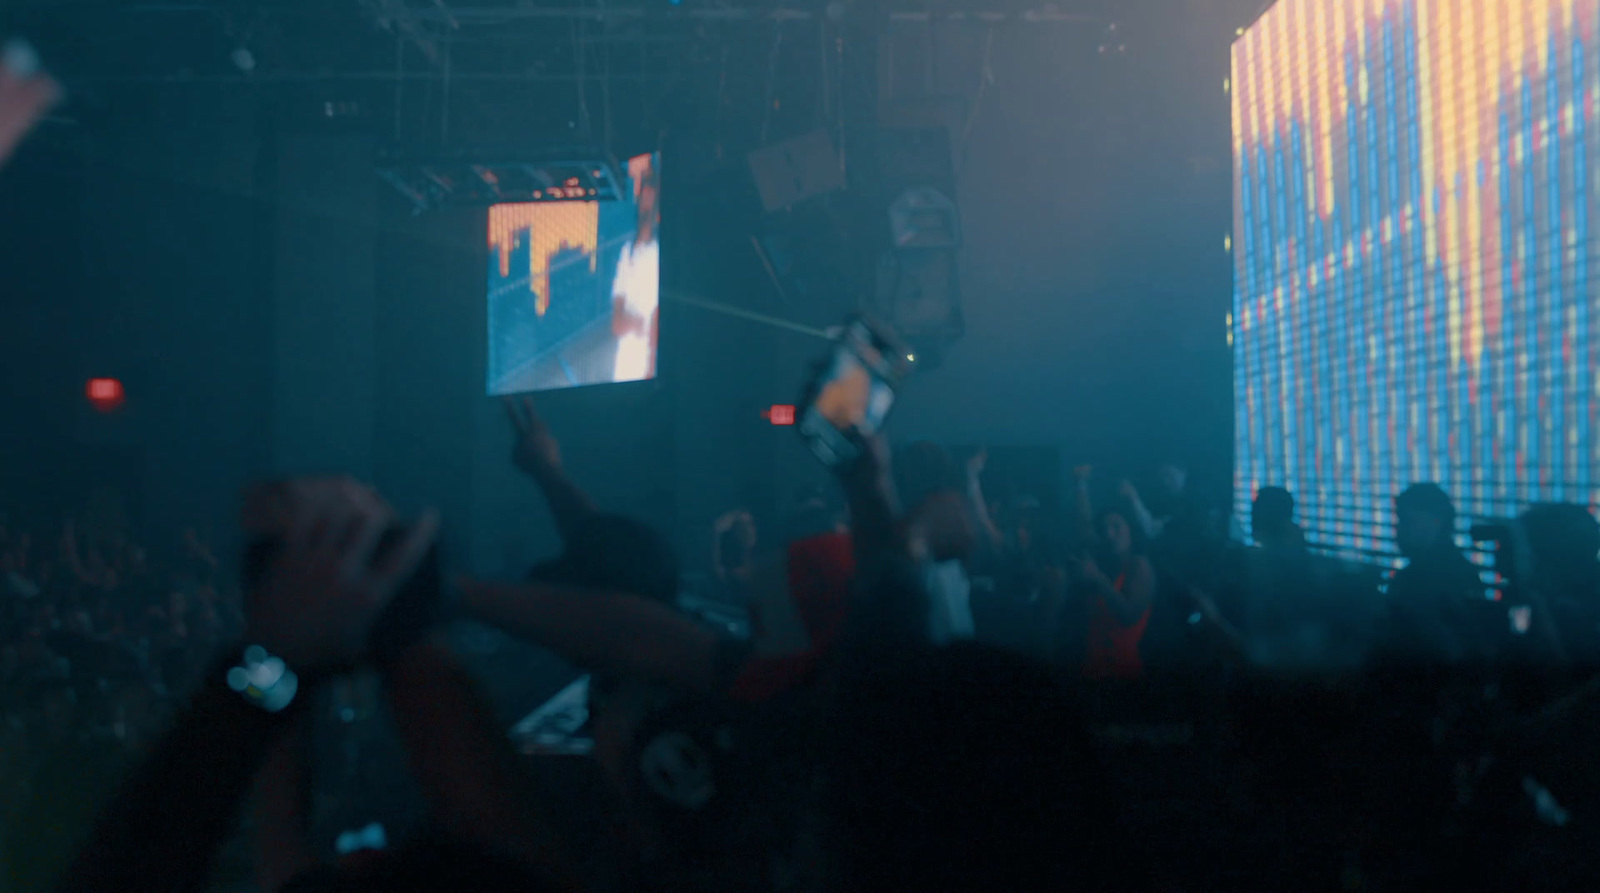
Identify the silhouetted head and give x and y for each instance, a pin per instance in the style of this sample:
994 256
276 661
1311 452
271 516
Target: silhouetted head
1425 520
1271 515
1117 534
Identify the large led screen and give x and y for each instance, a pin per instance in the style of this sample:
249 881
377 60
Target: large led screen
574 288
1414 184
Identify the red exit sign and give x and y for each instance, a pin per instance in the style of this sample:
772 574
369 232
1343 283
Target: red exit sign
105 394
779 414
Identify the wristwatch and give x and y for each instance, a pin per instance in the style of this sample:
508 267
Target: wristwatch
263 680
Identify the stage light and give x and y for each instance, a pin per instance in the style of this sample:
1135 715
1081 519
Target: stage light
105 394
911 358
780 414
482 177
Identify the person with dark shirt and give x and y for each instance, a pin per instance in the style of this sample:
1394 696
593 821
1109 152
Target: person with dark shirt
1278 570
1437 602
1563 549
1279 605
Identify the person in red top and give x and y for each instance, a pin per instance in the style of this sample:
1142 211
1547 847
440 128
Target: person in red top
1117 587
800 627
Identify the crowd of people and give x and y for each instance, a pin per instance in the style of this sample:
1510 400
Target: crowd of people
1121 583
1437 702
98 646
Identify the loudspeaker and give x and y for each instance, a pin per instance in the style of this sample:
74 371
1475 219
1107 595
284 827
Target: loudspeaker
792 171
919 294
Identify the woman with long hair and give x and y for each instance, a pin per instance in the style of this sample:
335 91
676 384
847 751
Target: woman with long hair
1115 584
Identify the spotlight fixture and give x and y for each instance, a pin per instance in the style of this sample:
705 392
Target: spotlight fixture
481 177
1111 42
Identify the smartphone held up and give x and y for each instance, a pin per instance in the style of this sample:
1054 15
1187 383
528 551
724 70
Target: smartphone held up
853 391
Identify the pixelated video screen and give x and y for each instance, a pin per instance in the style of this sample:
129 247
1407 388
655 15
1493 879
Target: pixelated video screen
1413 187
574 288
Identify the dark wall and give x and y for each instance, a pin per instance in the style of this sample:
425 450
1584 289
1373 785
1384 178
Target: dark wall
325 375
1095 196
150 264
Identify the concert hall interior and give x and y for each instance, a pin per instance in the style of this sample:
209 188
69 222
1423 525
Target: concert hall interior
799 446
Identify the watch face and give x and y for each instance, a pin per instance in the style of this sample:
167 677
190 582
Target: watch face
264 680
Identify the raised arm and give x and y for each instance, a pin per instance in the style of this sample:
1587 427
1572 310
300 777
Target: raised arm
311 611
978 504
623 634
724 523
282 810
538 454
1082 505
168 821
1232 639
876 532
1132 598
1141 515
890 603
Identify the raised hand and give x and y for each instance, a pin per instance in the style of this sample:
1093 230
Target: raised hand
976 463
1082 473
1088 570
26 94
317 601
1128 491
536 451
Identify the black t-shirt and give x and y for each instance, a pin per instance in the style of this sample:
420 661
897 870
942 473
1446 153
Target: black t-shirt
1439 612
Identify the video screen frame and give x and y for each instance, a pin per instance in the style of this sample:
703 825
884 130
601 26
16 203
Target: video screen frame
574 288
1412 245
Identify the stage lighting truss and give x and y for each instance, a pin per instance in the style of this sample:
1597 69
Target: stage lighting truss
476 179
